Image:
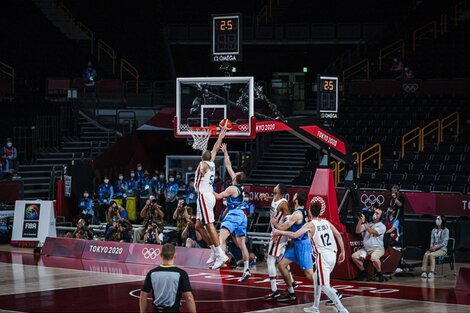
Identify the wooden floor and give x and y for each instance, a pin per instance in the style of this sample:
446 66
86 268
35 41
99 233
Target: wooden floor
50 284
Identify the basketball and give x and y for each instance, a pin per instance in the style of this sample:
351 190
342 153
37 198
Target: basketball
226 123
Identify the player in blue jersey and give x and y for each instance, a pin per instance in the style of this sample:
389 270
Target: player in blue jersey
235 220
301 251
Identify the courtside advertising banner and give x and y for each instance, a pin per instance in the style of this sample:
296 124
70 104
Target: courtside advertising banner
33 222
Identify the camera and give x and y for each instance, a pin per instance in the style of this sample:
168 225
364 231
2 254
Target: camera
367 212
154 201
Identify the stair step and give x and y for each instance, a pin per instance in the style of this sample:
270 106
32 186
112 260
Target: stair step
28 180
283 158
36 191
279 166
96 133
35 167
53 155
106 139
268 181
35 174
53 161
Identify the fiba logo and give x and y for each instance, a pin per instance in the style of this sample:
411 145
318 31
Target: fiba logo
369 200
321 202
150 253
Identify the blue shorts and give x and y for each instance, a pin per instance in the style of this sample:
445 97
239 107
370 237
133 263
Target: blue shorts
301 253
235 222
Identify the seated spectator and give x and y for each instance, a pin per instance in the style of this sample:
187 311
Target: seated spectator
408 73
140 172
120 189
192 237
82 231
372 234
179 180
191 195
392 225
85 207
5 174
132 184
397 68
9 156
171 192
151 234
151 213
236 254
105 194
89 76
437 247
118 232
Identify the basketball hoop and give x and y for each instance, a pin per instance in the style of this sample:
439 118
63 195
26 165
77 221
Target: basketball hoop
200 135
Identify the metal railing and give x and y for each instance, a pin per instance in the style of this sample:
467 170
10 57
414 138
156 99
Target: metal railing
430 128
397 46
448 121
409 137
25 141
423 31
370 153
10 72
459 9
359 67
125 66
105 48
443 24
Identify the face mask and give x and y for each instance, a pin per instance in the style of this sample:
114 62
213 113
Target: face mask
246 199
154 177
121 177
171 180
139 168
9 144
162 176
106 181
224 202
438 222
374 217
132 174
85 195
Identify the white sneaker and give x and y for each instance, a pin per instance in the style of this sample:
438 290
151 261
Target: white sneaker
343 311
431 275
424 275
312 309
211 258
220 261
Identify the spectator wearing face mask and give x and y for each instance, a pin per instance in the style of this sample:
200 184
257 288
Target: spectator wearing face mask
145 186
105 194
9 156
159 188
437 247
132 184
85 207
248 207
171 192
139 172
179 180
120 189
191 195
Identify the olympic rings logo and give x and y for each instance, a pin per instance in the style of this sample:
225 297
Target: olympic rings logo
369 200
320 201
243 128
410 87
150 253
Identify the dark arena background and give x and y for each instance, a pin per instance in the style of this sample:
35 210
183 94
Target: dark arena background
362 105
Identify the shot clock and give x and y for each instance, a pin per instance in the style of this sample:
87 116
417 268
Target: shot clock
226 38
328 90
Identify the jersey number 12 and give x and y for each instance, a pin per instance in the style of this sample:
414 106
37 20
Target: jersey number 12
325 239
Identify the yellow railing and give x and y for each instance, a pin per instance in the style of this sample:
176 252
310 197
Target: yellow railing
335 171
423 31
430 128
397 46
369 153
102 46
265 12
409 137
449 120
356 68
125 66
443 24
90 35
459 8
10 72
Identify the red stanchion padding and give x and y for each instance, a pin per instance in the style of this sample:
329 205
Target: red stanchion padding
347 269
323 192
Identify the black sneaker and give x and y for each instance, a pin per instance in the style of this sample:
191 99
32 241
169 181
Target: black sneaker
294 285
272 295
362 276
287 297
330 302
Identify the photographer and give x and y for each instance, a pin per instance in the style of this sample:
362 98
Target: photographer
118 232
82 231
192 238
151 213
118 211
182 218
151 234
373 237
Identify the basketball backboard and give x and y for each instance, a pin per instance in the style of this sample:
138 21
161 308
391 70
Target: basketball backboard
205 101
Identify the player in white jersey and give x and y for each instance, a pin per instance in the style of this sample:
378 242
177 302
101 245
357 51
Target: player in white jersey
277 245
323 235
205 174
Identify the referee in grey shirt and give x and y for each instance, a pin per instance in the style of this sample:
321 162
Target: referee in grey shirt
169 284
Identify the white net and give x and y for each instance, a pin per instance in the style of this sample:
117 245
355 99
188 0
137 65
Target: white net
200 136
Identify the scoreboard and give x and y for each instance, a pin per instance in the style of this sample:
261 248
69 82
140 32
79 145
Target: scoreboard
226 38
327 99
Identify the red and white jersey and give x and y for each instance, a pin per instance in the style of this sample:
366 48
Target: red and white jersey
204 183
273 210
323 239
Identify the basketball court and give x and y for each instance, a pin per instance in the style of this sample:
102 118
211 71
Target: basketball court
44 283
